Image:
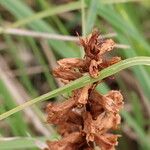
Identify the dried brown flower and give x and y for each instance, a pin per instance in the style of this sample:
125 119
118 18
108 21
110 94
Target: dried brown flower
57 112
106 141
87 117
70 142
66 74
71 63
94 47
81 95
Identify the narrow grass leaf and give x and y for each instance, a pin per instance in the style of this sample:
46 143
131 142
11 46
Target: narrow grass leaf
82 82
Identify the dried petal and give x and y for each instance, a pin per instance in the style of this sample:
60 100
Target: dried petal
70 142
67 128
100 126
106 63
58 112
81 95
66 74
113 101
94 102
93 69
106 46
71 63
89 44
106 121
106 141
89 127
114 60
75 117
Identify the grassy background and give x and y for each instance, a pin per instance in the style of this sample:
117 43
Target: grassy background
26 63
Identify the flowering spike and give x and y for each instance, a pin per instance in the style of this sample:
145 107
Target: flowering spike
87 117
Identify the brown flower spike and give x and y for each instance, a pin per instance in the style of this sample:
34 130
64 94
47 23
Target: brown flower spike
87 117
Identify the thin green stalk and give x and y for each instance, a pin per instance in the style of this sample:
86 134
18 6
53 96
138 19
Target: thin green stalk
119 1
16 123
91 16
48 5
83 16
19 10
46 13
82 82
83 24
22 142
12 49
131 121
42 62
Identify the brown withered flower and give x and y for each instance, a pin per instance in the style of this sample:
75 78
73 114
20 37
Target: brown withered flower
87 118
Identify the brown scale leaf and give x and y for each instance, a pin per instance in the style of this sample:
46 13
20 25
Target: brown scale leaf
57 113
107 121
106 141
67 128
89 127
95 47
96 129
66 74
89 44
75 117
73 123
93 69
81 95
94 103
105 46
71 63
102 124
93 62
106 63
114 60
73 141
113 101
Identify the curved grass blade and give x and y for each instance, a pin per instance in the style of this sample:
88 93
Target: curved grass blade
82 82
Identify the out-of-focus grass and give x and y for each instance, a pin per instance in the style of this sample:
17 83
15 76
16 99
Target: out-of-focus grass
16 123
120 17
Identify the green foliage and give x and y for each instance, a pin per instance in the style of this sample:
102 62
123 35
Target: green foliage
121 16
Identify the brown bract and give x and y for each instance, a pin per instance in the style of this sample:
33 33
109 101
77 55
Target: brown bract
87 117
71 63
81 95
66 74
106 141
95 48
57 112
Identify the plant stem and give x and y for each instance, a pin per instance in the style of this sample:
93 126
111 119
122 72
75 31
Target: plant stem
82 82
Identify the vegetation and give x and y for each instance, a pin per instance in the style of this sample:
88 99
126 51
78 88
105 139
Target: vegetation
35 34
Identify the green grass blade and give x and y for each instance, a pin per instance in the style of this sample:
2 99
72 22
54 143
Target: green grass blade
91 16
139 71
83 17
82 82
20 65
20 10
17 123
122 26
42 62
132 123
118 1
22 142
137 110
54 11
128 35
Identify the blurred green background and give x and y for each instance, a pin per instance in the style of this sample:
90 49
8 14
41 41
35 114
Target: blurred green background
36 33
